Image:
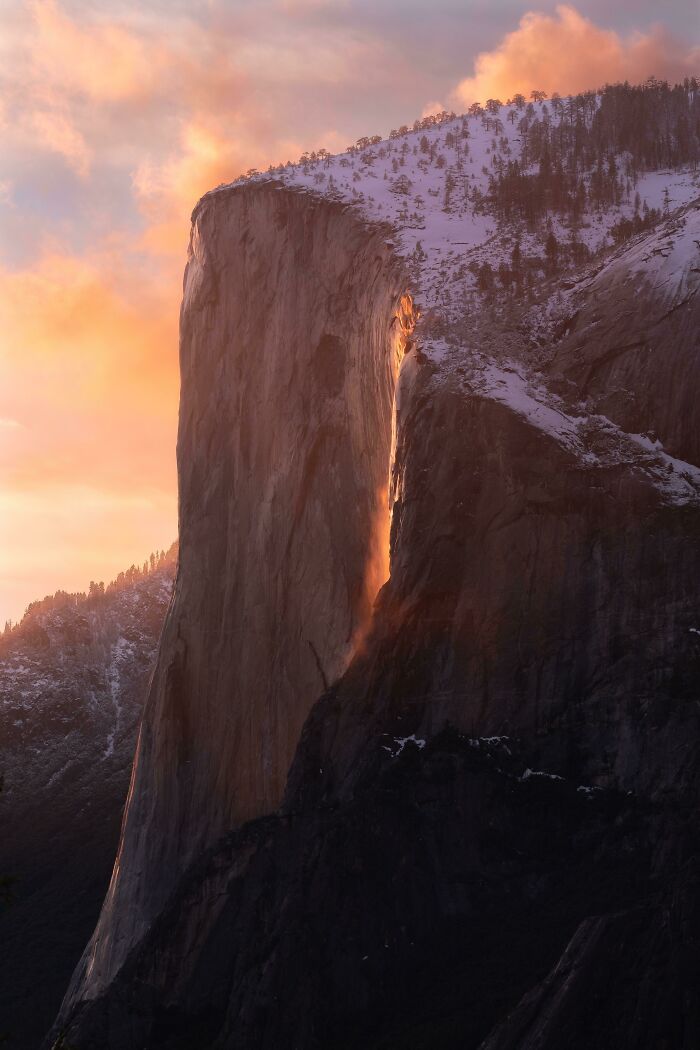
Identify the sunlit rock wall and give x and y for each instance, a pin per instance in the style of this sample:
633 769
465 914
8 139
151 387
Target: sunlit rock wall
293 325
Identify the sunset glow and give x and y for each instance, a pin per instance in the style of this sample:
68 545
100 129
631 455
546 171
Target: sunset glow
115 119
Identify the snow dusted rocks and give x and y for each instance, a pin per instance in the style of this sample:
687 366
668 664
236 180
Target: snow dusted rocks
631 350
73 681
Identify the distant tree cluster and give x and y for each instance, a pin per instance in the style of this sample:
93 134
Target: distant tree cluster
96 591
626 228
310 161
157 560
434 120
593 153
519 275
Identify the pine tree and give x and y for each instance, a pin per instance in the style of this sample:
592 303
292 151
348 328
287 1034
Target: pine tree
551 248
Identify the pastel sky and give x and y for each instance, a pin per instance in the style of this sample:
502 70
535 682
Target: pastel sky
115 117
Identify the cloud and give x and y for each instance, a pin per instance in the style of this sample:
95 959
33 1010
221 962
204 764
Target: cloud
89 362
167 188
431 108
305 7
567 52
104 61
56 132
87 422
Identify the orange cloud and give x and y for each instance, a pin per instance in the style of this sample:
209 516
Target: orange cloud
431 108
168 189
89 362
103 61
88 410
568 53
210 151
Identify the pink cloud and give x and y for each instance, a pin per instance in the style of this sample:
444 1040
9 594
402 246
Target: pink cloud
103 61
567 52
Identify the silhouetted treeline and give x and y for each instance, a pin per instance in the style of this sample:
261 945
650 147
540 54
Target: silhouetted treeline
157 560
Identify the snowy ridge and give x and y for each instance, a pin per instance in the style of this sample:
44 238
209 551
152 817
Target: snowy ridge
592 439
432 190
431 187
667 261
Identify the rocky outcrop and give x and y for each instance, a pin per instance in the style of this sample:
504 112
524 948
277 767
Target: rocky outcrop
293 324
73 678
631 349
410 916
512 750
532 595
638 965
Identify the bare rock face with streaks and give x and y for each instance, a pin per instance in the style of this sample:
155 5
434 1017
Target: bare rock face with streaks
294 321
632 345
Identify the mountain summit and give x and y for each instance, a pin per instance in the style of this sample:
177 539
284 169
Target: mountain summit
458 367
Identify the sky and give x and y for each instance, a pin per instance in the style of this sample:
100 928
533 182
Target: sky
115 116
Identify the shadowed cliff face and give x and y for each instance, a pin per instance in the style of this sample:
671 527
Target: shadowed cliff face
73 679
293 325
531 596
512 749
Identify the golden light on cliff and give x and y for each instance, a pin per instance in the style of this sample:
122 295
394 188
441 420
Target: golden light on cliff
377 569
378 563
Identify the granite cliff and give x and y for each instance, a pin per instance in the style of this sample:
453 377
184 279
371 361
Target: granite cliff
465 816
294 320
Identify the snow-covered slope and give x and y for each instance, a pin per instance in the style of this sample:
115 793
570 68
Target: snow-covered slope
69 676
432 185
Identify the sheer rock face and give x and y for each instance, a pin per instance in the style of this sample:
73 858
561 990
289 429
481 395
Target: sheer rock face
292 327
512 748
533 596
